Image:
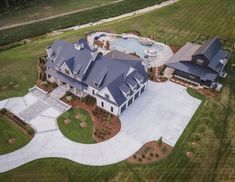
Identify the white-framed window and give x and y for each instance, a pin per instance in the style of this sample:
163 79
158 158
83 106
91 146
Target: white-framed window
200 61
66 71
106 96
192 77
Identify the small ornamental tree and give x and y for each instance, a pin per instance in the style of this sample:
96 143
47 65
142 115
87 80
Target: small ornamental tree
160 141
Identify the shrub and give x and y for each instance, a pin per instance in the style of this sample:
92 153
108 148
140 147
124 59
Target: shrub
30 131
160 141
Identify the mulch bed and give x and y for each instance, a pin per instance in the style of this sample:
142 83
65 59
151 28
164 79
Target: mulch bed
46 86
105 125
175 48
151 152
23 126
208 92
157 77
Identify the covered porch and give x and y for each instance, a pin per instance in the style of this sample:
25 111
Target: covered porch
67 82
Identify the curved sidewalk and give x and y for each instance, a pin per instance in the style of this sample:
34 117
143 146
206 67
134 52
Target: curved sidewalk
163 110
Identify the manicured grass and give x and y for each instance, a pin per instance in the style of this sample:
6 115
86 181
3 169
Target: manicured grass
31 30
73 131
196 94
212 127
8 131
42 8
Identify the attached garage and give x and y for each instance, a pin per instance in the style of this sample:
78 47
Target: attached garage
130 101
123 108
136 95
142 90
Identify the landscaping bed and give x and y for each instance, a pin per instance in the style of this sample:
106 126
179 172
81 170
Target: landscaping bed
69 98
151 152
28 130
46 86
105 125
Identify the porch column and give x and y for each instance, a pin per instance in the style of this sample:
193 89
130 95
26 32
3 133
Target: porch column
68 87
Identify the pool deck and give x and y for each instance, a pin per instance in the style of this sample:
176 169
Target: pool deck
162 56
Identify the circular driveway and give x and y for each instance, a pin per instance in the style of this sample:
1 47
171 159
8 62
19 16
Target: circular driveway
164 109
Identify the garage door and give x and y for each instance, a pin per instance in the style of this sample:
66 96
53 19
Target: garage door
129 102
142 89
123 108
136 95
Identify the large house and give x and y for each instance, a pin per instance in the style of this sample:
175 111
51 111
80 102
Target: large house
115 79
199 64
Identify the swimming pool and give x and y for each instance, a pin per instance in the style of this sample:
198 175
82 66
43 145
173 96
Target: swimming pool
131 45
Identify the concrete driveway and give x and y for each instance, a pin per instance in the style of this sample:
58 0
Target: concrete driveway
163 110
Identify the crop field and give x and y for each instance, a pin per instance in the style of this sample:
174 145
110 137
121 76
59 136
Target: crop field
86 16
210 135
42 8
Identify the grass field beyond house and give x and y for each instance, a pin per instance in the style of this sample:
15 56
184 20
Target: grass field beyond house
210 135
33 10
74 131
9 131
31 30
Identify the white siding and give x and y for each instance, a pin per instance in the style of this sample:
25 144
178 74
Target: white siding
107 106
133 97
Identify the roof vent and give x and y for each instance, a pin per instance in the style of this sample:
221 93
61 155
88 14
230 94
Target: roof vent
223 61
78 46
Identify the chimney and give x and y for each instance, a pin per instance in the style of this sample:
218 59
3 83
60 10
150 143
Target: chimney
49 51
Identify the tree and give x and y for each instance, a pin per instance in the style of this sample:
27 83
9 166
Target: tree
7 3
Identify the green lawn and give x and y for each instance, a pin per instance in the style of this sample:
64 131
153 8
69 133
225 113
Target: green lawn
8 131
92 15
212 128
73 131
43 8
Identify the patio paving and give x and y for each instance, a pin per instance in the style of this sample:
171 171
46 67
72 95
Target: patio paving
163 110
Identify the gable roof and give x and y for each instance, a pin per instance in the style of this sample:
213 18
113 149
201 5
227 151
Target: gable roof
115 54
209 48
185 53
97 70
203 73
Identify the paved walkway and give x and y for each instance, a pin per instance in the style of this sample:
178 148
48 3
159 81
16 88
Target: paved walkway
57 16
163 110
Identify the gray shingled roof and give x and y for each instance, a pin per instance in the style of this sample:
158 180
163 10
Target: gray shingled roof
203 72
107 71
209 48
67 79
185 53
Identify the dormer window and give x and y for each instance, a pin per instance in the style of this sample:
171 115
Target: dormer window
200 61
128 94
67 71
106 96
135 88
